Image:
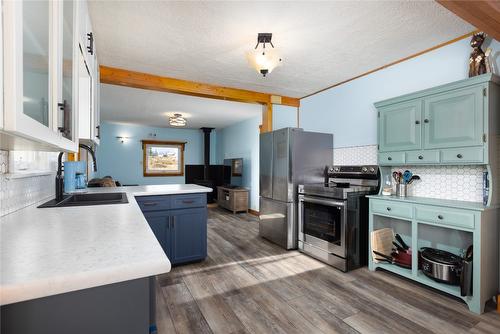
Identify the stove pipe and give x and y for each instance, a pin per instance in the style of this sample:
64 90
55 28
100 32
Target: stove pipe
206 132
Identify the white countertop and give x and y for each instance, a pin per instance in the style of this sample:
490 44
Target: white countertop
56 250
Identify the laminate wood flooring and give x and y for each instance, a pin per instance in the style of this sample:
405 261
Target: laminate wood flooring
249 285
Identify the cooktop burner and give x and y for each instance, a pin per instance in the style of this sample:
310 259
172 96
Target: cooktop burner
343 180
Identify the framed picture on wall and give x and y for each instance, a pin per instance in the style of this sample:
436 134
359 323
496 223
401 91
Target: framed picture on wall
163 158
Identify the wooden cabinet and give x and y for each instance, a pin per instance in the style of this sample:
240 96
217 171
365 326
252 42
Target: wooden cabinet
448 225
179 222
447 124
39 53
454 119
233 199
188 235
400 126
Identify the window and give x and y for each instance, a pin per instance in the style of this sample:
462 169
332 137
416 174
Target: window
163 158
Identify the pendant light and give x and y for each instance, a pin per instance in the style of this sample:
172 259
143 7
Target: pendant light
177 120
264 57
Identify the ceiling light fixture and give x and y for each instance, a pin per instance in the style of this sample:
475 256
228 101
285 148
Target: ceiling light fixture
263 59
177 120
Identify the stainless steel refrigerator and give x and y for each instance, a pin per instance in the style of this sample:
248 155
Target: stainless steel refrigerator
288 157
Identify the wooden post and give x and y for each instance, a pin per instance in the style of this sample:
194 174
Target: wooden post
267 118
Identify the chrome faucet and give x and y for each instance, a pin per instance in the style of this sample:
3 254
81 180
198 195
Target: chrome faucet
59 176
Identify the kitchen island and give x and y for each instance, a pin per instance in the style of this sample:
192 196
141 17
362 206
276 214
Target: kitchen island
94 260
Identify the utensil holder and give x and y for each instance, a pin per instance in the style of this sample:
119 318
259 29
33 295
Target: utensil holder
401 189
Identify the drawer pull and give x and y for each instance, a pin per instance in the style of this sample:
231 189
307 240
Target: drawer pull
440 217
420 157
150 203
389 208
460 156
417 122
389 158
187 201
426 120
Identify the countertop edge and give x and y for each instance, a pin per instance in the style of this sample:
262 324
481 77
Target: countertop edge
464 205
54 286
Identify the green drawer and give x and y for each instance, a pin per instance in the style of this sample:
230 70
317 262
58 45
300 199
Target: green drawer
422 157
391 158
445 216
391 208
462 155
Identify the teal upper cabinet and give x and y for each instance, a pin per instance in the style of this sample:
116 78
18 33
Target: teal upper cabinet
454 119
449 124
399 127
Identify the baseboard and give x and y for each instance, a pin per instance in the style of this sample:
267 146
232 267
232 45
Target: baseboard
253 212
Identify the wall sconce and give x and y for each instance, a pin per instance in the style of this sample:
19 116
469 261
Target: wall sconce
122 139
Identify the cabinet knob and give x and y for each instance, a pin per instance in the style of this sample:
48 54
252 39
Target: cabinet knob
459 156
440 217
388 208
426 120
389 158
417 122
420 157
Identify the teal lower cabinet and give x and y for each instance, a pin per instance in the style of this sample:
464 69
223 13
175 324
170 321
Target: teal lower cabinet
452 226
179 222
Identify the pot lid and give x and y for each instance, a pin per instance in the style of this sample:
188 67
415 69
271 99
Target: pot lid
441 256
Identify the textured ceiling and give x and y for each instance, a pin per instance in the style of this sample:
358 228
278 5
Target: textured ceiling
321 43
152 108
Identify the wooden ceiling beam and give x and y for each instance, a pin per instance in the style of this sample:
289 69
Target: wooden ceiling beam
484 15
121 77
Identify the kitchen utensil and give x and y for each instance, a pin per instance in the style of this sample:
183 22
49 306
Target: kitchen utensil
395 175
401 242
466 274
407 175
387 257
441 266
414 178
398 247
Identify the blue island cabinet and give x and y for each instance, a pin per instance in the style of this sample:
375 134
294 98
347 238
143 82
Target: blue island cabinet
179 222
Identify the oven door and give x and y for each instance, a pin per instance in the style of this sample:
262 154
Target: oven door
322 223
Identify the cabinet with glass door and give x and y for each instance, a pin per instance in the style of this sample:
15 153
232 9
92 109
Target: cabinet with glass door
39 67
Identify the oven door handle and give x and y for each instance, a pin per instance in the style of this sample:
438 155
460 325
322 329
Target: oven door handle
321 201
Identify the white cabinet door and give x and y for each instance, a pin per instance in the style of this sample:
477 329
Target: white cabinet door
97 109
32 63
85 82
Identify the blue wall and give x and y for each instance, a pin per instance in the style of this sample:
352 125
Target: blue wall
241 140
347 110
284 117
123 161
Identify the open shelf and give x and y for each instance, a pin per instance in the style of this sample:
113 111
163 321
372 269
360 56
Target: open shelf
444 238
451 289
395 269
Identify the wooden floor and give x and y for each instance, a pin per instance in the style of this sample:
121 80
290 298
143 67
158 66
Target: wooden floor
249 285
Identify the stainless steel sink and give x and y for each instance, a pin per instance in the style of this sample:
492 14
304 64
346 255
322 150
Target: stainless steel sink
87 199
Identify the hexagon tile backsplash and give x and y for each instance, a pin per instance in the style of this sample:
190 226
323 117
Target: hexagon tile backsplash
462 183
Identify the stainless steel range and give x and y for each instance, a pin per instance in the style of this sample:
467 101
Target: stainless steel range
333 216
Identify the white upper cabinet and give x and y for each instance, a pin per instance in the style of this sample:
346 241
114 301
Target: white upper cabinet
39 73
88 100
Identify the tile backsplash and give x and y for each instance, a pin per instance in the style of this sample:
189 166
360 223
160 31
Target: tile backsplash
18 191
463 183
356 155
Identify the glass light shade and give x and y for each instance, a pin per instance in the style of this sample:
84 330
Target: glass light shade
264 59
177 120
